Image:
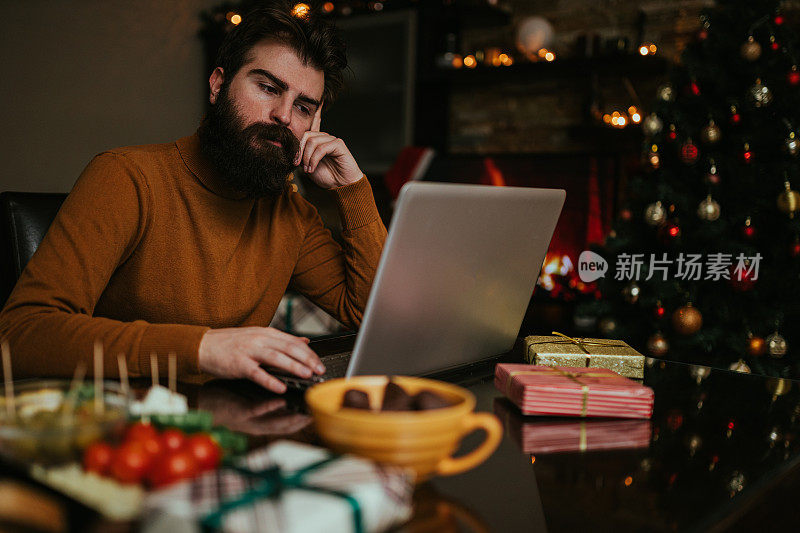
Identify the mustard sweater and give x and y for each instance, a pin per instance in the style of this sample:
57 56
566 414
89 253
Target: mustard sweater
150 250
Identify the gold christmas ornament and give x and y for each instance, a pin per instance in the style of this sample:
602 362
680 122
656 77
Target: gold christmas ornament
687 320
699 372
607 326
708 209
740 366
751 50
655 214
652 124
760 94
777 345
756 346
710 133
657 345
666 93
792 146
789 200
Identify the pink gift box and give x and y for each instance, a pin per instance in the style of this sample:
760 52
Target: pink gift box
546 435
573 391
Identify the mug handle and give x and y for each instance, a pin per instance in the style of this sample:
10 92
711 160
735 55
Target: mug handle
494 433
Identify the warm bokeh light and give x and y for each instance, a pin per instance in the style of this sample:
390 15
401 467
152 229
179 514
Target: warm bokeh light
533 459
549 56
301 10
614 120
376 6
607 118
628 481
327 7
648 49
636 117
554 265
507 61
236 19
632 109
470 61
542 52
457 62
622 121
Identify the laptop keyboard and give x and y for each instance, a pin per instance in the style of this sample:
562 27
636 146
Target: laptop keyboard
335 367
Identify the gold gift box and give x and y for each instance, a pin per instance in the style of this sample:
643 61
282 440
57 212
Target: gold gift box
560 350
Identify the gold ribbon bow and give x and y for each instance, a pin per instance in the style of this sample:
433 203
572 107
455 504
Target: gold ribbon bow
580 342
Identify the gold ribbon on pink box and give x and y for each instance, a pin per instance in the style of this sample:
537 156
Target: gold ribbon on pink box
563 350
570 375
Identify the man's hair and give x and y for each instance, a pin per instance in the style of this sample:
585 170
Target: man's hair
315 41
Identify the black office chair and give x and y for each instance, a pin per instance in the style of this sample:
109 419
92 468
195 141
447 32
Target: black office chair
24 220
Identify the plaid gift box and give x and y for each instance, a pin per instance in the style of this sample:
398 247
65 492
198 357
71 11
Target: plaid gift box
291 487
561 350
570 391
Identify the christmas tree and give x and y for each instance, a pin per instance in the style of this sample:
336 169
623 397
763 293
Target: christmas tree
704 257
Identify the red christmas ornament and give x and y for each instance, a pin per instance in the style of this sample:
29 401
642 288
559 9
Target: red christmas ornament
694 88
748 231
794 249
778 20
689 152
735 118
673 230
747 155
659 311
741 281
793 77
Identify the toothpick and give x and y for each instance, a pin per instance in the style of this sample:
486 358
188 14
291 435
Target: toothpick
173 370
123 374
9 381
72 394
98 377
154 368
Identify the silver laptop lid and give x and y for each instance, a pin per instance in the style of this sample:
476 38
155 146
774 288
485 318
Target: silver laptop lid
456 275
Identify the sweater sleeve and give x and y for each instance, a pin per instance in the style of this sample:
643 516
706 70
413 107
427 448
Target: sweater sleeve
48 319
337 279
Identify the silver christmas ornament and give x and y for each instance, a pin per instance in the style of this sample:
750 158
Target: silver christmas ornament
666 93
708 209
792 145
652 124
760 94
777 345
655 214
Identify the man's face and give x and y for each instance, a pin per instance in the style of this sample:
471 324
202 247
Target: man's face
253 129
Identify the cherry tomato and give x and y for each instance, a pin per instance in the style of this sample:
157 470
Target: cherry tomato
139 431
97 457
131 462
205 450
153 445
172 467
173 439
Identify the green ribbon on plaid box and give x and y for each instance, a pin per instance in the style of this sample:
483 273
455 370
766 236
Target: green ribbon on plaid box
273 483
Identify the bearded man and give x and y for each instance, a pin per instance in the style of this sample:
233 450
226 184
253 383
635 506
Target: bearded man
188 247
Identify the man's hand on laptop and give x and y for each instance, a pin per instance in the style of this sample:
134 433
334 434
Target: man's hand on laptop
240 352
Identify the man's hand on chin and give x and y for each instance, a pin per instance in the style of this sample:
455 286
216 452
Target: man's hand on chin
240 352
325 158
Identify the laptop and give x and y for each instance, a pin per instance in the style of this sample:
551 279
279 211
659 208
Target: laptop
454 280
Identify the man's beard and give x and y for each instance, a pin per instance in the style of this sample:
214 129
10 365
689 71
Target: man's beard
247 162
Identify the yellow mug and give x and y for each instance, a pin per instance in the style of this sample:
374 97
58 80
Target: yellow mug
424 441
